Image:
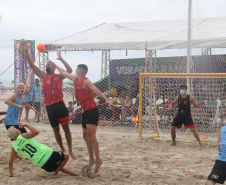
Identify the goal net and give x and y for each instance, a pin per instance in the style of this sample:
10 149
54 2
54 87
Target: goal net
158 90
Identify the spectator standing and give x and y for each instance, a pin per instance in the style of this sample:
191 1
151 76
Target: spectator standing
26 99
35 94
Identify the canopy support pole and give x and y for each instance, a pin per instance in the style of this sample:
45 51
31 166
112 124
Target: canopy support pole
189 55
43 58
105 66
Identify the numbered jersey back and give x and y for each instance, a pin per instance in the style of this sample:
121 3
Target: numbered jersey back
36 152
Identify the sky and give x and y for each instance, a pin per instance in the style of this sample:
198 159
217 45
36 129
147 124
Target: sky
46 21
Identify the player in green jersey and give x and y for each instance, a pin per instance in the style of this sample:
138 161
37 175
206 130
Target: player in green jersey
40 154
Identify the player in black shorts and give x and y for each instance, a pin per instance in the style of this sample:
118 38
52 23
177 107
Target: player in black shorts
218 173
41 155
184 114
52 84
91 117
57 112
84 92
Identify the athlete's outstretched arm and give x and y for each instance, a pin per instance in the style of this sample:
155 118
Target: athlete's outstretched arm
11 159
92 87
11 100
64 73
66 65
197 105
36 70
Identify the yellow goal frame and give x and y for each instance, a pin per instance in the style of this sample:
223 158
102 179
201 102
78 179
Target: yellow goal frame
167 75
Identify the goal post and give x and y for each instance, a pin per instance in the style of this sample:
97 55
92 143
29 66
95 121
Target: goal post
158 90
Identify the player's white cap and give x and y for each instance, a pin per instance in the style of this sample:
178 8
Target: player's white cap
12 133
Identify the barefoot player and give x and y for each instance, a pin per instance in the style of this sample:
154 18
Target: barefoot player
184 114
84 92
53 98
41 155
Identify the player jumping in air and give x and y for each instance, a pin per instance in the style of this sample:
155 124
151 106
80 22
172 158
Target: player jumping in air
84 92
53 98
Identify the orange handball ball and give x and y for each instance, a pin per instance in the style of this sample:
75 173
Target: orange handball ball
41 47
204 137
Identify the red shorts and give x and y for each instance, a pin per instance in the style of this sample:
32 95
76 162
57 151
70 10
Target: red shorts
64 121
188 122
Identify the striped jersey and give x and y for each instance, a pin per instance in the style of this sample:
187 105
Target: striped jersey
85 97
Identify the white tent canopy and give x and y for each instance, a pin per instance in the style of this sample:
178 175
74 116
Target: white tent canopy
169 34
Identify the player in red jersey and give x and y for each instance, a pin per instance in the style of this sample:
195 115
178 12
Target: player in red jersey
84 91
53 98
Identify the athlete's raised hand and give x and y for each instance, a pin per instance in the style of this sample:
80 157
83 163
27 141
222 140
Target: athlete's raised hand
59 55
25 46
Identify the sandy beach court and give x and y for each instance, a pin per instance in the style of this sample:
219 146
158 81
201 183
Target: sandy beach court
127 160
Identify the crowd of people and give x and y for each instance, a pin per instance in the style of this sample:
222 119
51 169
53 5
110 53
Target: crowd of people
127 104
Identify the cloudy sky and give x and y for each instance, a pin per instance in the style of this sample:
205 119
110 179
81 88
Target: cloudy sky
48 20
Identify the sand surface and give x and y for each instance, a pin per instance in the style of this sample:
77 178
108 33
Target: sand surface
127 159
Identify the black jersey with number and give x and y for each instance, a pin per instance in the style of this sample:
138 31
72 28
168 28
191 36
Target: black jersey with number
184 107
